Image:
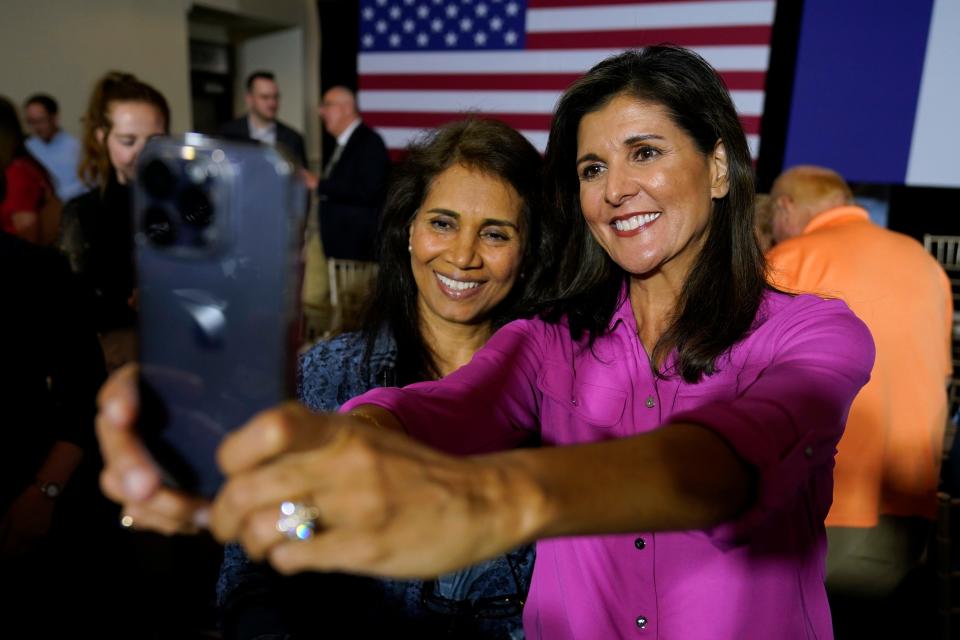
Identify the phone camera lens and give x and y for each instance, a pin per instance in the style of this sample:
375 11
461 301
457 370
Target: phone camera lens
195 207
196 172
158 226
158 179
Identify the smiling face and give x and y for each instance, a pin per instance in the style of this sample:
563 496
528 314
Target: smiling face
646 190
133 123
466 246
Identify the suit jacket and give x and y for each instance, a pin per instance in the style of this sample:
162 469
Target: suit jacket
351 197
289 139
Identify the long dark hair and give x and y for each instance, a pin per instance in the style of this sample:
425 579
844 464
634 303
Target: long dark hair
115 86
489 146
722 292
12 144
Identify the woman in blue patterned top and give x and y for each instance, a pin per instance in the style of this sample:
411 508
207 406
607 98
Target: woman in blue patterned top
460 246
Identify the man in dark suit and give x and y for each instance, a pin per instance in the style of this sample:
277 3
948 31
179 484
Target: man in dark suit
354 180
260 122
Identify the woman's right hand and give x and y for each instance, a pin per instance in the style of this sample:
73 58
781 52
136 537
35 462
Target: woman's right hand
130 476
385 504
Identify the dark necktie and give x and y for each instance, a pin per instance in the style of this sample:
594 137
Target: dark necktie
334 157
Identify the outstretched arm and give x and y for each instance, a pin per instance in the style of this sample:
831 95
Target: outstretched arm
391 506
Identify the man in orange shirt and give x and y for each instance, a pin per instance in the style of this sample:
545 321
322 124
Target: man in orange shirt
888 461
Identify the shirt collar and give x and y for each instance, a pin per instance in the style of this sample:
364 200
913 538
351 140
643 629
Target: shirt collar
343 137
270 128
845 213
54 140
624 312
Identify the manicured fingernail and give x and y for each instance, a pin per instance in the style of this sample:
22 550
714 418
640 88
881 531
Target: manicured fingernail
201 517
137 484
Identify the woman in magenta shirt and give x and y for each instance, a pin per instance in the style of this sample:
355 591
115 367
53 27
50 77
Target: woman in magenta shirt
688 413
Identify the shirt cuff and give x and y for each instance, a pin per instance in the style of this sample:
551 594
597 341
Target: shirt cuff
780 474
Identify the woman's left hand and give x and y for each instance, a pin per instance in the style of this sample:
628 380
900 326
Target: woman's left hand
386 504
130 477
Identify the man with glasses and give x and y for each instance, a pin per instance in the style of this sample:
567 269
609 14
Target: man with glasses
354 180
54 148
261 123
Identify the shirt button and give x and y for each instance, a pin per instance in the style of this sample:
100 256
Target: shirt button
640 543
573 401
808 452
641 622
650 402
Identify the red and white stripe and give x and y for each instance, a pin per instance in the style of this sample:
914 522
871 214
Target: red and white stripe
404 94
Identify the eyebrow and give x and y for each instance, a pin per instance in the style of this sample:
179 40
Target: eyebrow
486 221
629 142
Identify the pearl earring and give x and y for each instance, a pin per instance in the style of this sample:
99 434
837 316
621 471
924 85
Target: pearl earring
410 248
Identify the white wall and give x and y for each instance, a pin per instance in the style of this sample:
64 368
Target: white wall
282 53
62 47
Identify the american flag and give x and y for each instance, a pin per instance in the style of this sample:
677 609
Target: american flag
426 62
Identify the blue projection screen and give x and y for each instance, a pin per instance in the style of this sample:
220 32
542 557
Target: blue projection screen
876 93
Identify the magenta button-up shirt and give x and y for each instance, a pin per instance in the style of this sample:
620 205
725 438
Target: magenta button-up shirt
779 398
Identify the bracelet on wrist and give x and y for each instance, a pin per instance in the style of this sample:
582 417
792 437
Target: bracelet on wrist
363 415
51 490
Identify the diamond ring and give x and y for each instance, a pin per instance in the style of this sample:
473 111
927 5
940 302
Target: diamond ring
298 521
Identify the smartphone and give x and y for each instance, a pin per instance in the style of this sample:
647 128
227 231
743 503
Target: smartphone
218 231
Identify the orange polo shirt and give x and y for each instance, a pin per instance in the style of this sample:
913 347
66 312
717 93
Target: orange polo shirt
888 460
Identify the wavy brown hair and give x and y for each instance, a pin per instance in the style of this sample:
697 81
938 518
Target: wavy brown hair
489 146
12 143
116 86
11 134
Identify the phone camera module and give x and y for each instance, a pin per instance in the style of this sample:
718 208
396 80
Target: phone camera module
158 227
157 179
195 207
